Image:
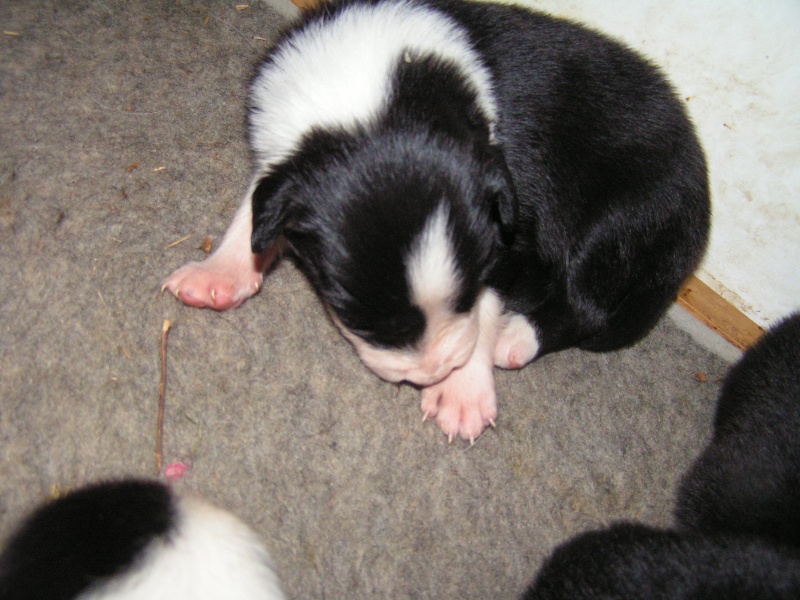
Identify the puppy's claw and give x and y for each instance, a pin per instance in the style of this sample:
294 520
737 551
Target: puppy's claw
492 423
424 417
213 295
471 441
450 438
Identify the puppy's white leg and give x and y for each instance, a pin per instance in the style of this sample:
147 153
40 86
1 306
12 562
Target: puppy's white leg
465 402
231 274
517 343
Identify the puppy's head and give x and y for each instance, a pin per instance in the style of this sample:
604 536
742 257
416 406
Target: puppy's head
397 233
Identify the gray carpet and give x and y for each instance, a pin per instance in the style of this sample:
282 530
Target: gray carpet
123 130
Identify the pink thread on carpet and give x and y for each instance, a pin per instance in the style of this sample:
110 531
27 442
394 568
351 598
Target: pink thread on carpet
175 471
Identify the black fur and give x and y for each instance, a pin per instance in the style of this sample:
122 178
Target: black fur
586 213
634 562
738 508
748 479
85 538
611 180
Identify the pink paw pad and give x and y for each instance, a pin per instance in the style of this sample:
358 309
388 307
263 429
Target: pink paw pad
211 284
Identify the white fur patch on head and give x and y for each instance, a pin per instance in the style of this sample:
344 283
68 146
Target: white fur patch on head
337 72
430 268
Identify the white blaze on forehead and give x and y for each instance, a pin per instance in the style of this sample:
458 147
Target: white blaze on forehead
431 269
337 72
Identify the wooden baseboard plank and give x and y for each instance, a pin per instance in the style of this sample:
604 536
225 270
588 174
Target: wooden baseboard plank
307 5
714 311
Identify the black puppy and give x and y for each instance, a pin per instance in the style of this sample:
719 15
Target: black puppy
738 511
635 562
134 540
466 185
748 479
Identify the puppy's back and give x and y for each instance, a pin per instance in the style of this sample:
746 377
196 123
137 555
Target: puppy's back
610 176
635 562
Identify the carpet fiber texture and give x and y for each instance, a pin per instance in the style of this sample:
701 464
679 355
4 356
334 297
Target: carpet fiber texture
123 131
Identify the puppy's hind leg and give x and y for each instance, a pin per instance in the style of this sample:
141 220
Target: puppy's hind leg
231 274
517 343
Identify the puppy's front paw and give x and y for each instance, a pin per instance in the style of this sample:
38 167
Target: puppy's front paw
215 283
464 403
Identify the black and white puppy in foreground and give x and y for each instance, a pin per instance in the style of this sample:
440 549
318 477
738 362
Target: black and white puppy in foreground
738 510
134 540
466 185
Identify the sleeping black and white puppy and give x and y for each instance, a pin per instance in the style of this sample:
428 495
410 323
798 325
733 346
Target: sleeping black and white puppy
466 186
738 509
134 540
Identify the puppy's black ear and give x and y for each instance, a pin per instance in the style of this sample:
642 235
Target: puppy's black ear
499 188
270 203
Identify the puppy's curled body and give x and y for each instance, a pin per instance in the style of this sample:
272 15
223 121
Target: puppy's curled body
610 180
466 185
